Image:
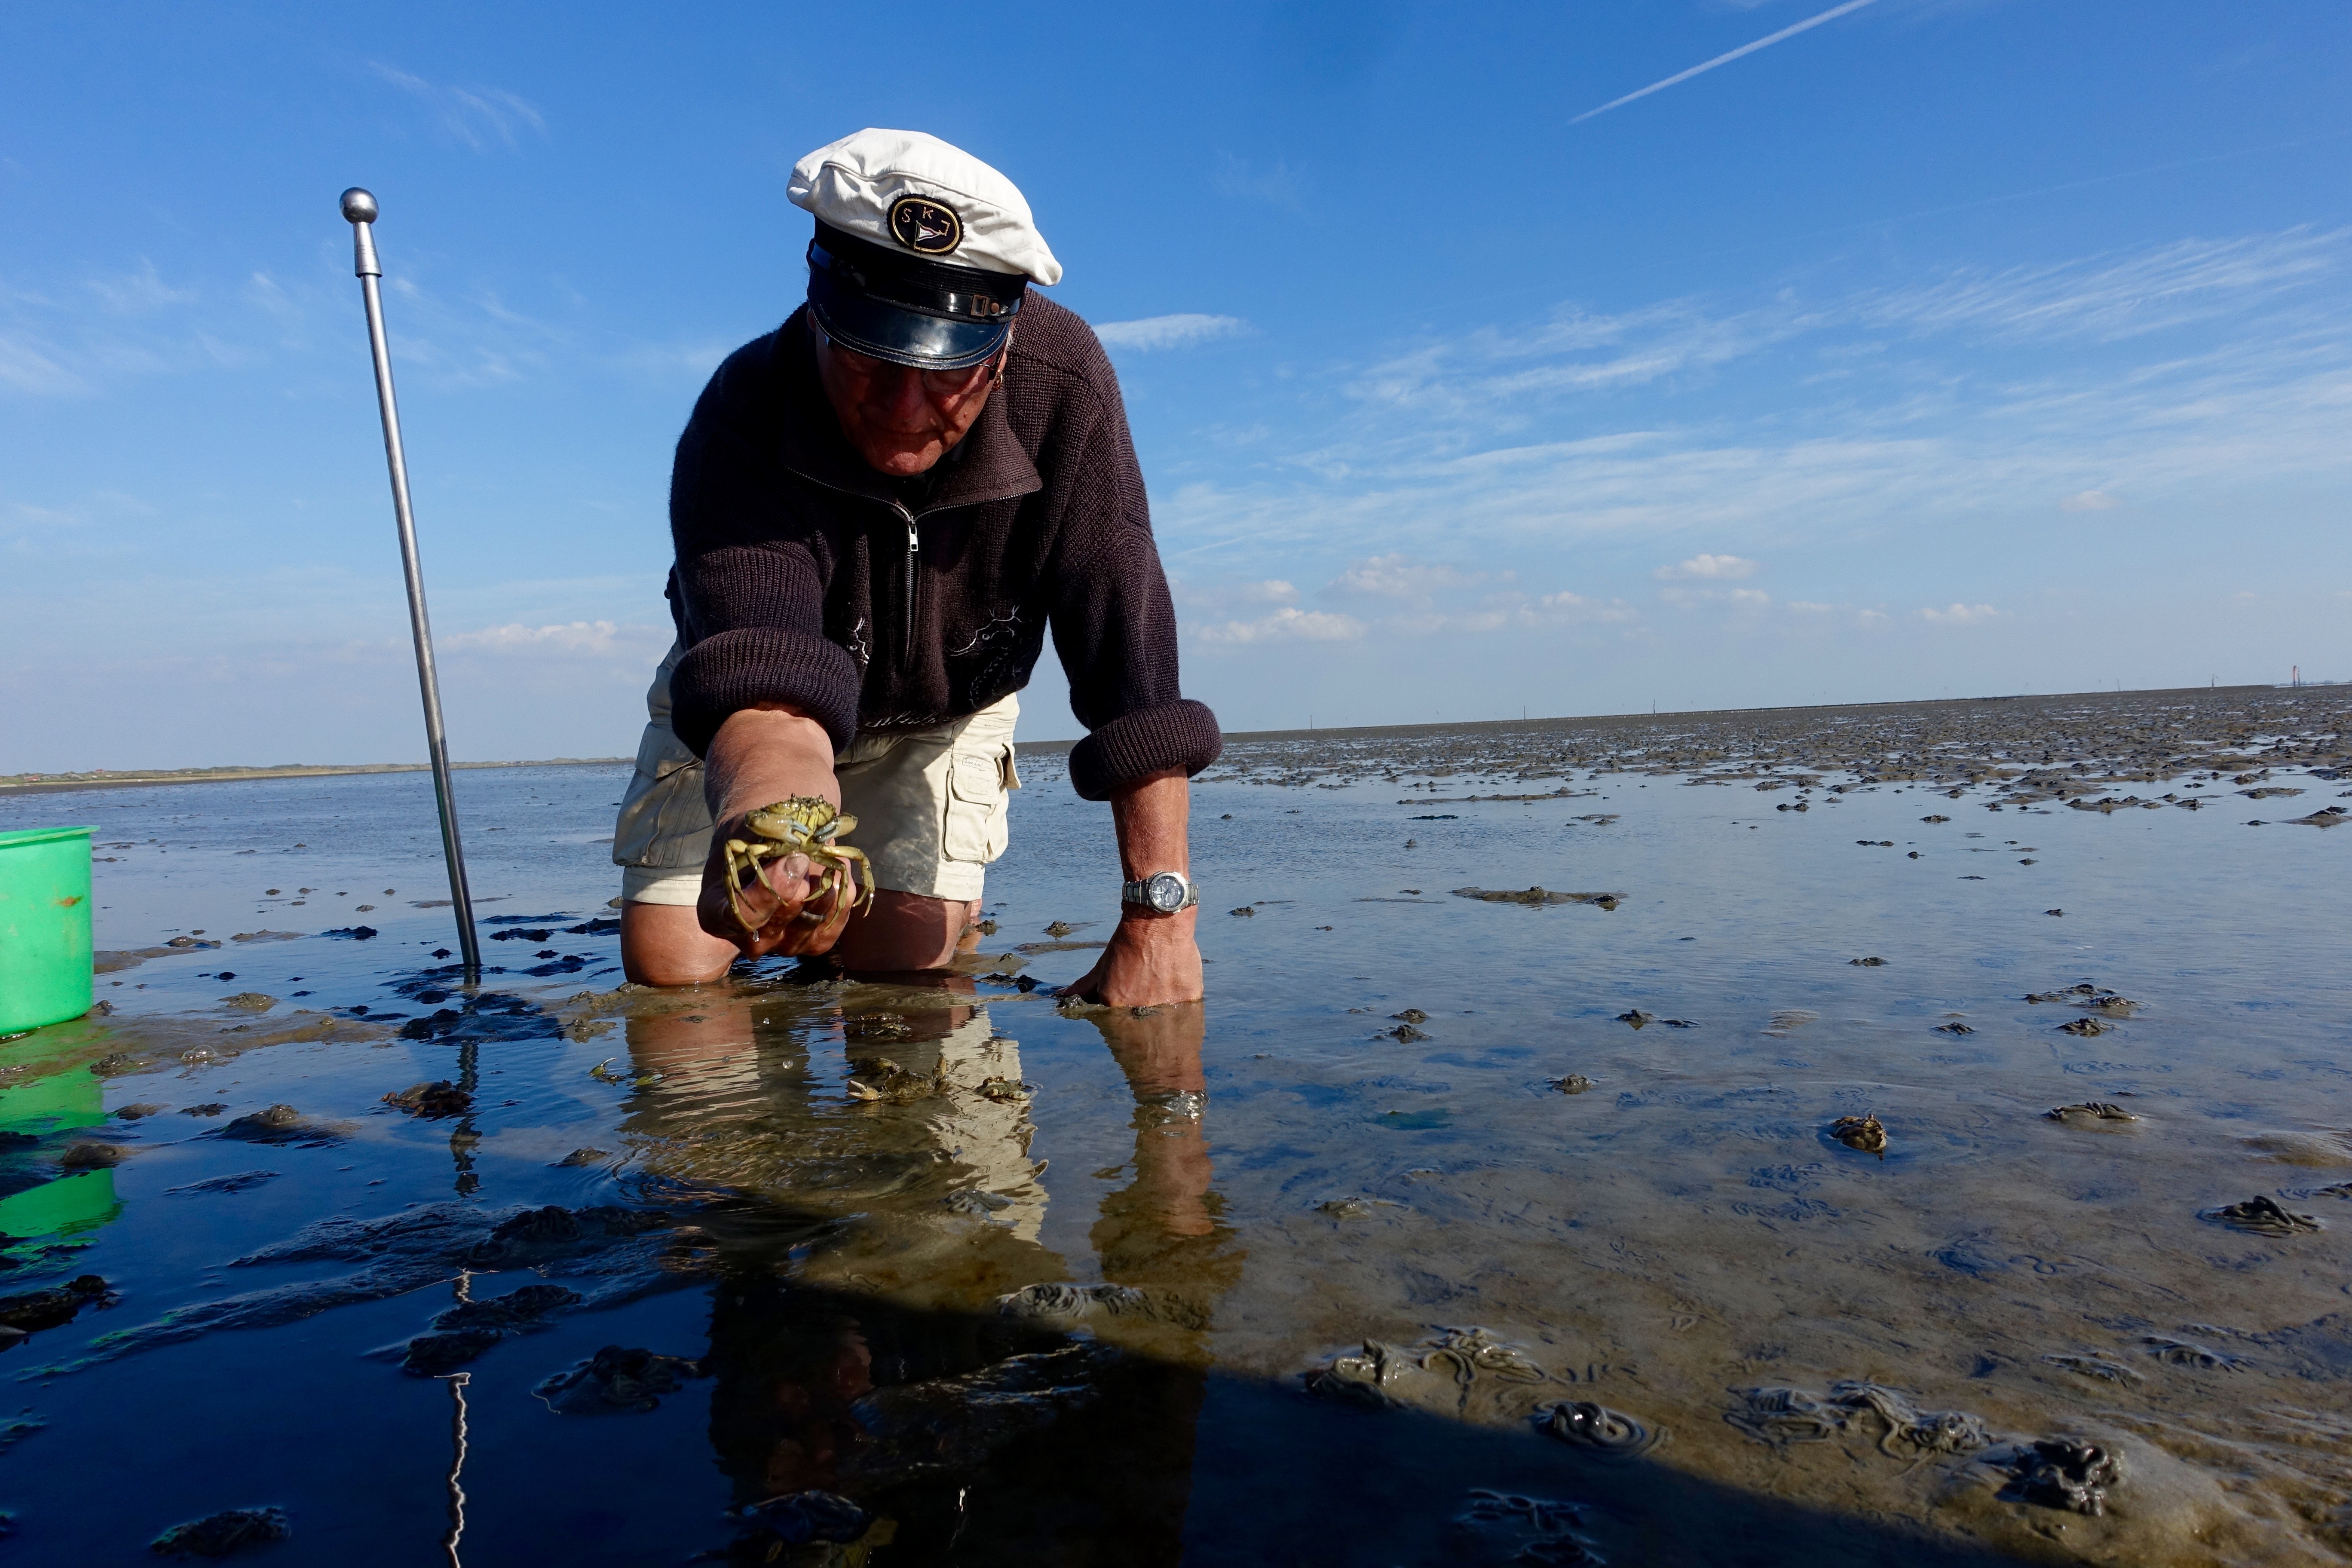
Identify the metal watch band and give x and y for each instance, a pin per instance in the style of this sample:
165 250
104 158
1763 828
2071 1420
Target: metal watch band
1138 892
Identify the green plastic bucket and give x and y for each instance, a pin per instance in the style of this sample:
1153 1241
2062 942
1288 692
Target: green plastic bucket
44 974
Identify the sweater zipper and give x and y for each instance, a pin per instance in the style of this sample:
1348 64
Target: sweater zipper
913 581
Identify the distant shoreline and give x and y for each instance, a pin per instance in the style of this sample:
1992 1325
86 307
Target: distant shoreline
48 783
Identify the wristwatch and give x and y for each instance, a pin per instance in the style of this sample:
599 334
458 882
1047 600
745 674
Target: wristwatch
1163 893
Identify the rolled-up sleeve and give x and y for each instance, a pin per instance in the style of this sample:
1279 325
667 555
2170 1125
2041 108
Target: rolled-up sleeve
1115 629
751 597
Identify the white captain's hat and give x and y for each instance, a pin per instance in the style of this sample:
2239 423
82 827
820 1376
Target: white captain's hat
922 252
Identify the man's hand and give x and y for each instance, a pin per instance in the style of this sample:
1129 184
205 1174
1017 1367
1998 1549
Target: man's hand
759 756
1149 961
778 914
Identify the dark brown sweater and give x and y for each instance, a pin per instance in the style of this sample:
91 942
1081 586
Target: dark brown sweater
805 576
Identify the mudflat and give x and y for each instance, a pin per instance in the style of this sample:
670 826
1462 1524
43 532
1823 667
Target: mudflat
1953 1161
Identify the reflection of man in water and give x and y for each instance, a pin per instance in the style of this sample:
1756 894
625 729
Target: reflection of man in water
821 1342
879 510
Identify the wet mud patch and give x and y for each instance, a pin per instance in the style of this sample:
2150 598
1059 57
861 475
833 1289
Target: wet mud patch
1537 897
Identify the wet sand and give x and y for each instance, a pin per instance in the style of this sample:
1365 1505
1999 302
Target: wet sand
1070 1284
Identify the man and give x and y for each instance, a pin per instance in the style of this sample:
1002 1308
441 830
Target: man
879 509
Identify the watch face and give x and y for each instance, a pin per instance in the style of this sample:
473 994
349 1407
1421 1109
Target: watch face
1166 892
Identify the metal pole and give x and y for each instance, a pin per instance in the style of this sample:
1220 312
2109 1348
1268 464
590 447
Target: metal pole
360 209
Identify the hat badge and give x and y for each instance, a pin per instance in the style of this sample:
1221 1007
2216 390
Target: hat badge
925 226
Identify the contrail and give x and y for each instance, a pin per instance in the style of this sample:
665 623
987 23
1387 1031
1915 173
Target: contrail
1832 15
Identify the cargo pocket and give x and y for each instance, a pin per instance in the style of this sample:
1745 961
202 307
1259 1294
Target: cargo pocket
664 820
976 827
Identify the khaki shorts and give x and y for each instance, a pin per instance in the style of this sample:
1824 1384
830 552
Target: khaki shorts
931 804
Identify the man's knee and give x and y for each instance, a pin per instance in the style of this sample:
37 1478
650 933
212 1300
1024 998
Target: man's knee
665 944
904 931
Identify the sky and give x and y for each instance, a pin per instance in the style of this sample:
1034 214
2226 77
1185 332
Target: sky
1482 359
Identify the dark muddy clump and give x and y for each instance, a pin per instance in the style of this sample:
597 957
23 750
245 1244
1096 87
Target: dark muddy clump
1872 963
803 1519
437 1355
89 1156
525 1307
2188 1352
1908 1431
2061 1473
2091 1110
1863 1132
431 1101
616 1381
469 1327
2261 1214
1539 898
218 1535
1574 1083
2092 1366
1596 1428
237 1181
1783 1415
283 1124
2084 1027
1458 1373
33 1311
1635 1016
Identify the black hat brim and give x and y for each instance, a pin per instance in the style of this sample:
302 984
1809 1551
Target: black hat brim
900 336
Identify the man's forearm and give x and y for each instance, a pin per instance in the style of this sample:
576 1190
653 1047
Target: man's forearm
761 755
1151 958
1153 817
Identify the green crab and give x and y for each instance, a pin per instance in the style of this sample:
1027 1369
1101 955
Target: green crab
804 824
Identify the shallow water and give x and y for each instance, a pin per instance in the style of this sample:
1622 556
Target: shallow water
1278 1177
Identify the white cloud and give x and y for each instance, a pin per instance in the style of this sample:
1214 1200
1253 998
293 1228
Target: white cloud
1455 437
478 116
2089 500
1226 592
1738 598
571 639
1399 576
1715 567
1289 623
1177 331
1809 607
138 293
27 369
2116 297
1576 607
1961 614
